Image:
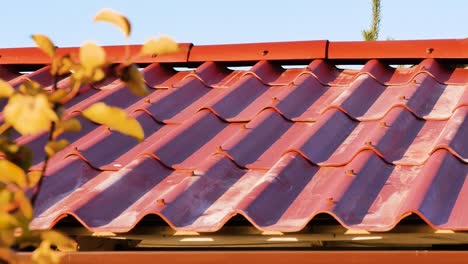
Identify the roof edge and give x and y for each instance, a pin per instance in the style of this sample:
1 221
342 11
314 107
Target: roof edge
399 49
272 51
292 51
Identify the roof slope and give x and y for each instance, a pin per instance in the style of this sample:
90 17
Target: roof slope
275 145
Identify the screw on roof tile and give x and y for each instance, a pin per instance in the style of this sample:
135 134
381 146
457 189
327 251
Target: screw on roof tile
403 98
148 101
219 149
75 149
368 143
350 172
429 50
264 52
383 124
415 81
154 55
274 99
161 202
330 201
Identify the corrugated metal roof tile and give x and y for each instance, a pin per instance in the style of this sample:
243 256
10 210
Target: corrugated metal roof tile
277 146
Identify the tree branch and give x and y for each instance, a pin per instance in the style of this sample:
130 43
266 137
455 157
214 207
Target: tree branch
373 32
50 137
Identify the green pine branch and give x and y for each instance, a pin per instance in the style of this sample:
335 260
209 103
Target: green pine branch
373 32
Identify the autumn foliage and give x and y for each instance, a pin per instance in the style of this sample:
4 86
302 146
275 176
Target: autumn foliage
31 109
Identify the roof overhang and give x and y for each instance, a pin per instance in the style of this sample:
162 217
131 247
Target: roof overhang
392 51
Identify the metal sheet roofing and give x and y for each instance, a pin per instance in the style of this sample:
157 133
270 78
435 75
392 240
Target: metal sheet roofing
277 145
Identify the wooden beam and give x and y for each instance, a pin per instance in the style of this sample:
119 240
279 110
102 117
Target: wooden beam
270 257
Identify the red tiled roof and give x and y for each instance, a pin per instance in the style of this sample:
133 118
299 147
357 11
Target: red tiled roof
276 145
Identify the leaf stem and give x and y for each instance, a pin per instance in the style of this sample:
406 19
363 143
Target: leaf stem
127 49
56 79
4 127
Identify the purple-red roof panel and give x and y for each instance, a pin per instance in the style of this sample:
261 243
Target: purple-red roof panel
276 145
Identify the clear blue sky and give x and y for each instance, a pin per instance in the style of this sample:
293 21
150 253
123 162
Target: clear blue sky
69 23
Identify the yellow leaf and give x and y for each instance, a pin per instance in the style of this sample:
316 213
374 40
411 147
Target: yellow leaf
45 255
12 148
7 221
79 75
58 95
7 255
61 65
74 87
99 75
52 147
10 173
132 77
115 18
24 204
34 177
5 200
45 44
70 125
5 89
19 155
159 46
4 129
92 56
23 158
30 87
114 118
7 237
29 114
63 243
